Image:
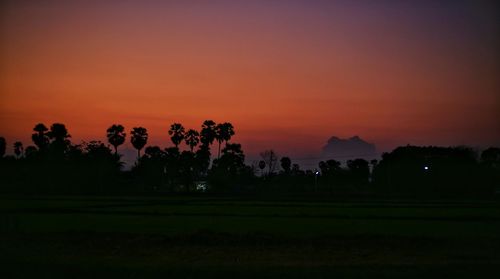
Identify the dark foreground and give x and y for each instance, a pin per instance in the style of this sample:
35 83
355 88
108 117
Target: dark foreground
212 237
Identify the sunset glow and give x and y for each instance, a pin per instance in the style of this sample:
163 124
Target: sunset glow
287 74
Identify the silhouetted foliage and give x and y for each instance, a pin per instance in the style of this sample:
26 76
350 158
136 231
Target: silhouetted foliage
223 133
229 172
431 170
139 139
490 161
491 157
18 149
207 134
116 136
286 165
30 151
150 169
192 138
177 133
61 167
359 171
262 165
40 137
203 159
59 139
3 145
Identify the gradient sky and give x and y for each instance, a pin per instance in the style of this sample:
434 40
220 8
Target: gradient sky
287 74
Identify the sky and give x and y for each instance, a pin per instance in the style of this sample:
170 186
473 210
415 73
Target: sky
287 74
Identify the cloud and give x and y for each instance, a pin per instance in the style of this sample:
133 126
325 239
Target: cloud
351 148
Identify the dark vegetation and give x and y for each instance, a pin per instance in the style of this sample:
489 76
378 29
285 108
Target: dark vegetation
70 210
55 165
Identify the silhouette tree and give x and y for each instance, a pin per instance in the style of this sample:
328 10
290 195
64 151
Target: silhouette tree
286 164
360 166
139 138
203 159
270 158
18 149
192 138
30 151
98 152
229 172
207 134
490 162
491 157
116 136
3 146
232 160
186 172
40 138
262 166
59 137
296 171
330 167
177 133
223 132
154 152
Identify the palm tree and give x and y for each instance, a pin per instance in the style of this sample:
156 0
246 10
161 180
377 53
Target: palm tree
116 136
40 138
177 133
207 134
192 138
58 135
139 138
18 149
223 132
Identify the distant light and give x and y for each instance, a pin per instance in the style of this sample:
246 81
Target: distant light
426 168
317 172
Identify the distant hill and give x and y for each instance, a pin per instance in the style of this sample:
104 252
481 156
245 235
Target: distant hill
351 148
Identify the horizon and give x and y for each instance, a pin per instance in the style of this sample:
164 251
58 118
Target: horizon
288 74
307 161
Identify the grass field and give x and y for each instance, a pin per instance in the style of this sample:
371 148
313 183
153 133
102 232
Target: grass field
197 237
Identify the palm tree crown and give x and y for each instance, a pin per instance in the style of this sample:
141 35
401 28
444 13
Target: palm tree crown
58 132
116 136
223 132
177 133
139 138
207 134
192 138
40 137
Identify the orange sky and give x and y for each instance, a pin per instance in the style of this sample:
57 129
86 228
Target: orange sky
287 74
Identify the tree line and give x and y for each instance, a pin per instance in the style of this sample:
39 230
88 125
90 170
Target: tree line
55 165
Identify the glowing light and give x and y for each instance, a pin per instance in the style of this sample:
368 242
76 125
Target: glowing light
426 168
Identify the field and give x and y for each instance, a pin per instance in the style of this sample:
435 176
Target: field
195 237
